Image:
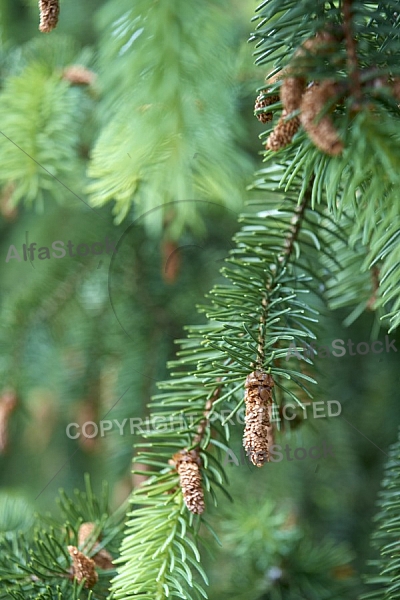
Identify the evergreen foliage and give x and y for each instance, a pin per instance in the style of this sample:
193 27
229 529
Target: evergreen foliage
277 559
43 126
36 563
165 141
308 195
320 230
364 179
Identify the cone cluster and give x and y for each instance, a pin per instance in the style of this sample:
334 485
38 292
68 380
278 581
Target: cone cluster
258 399
188 466
264 100
49 12
310 102
102 558
83 567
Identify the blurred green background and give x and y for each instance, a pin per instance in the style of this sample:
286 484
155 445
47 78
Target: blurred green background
86 338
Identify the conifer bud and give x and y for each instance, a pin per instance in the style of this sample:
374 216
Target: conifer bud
283 133
49 12
321 130
188 466
258 398
83 567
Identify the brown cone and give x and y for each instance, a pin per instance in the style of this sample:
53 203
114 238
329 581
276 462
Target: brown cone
292 90
321 130
283 133
188 466
49 12
83 567
262 102
258 398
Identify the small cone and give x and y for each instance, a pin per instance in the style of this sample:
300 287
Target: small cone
320 130
258 398
188 466
283 133
83 567
263 102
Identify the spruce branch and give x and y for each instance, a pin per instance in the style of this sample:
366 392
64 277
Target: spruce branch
283 252
252 319
45 562
43 122
351 114
190 94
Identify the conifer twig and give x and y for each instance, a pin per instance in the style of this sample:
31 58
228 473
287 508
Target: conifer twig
207 410
295 226
352 59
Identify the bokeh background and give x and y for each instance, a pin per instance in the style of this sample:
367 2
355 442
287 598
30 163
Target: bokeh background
87 338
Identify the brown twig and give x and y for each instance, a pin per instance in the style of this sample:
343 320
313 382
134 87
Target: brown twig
288 244
207 410
259 362
295 225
